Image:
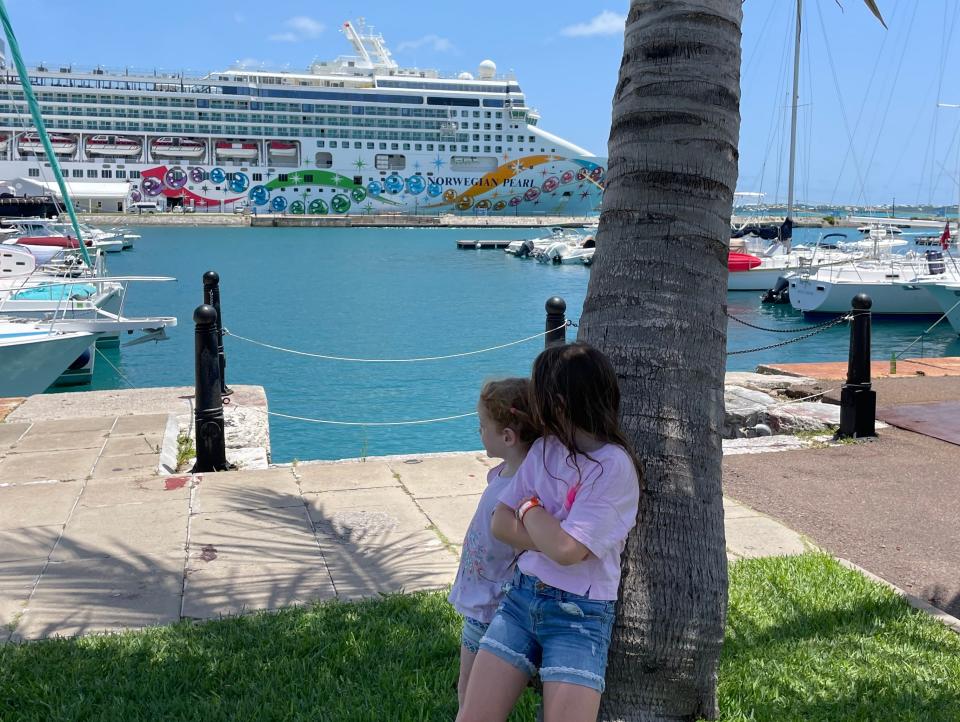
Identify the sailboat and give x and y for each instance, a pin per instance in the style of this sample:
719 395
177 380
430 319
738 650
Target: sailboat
34 352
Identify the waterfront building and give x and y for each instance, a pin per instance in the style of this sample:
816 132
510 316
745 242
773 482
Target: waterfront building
358 134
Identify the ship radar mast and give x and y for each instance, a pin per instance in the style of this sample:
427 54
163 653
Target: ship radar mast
371 49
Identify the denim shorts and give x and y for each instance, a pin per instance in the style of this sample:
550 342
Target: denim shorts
473 629
566 636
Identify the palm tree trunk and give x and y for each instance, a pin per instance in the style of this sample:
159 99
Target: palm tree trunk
656 305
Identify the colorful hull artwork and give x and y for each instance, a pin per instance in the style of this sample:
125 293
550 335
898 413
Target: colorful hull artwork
529 185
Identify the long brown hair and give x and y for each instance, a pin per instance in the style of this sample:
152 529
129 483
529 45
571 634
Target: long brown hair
574 386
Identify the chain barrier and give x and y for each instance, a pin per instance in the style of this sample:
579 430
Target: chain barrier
924 334
789 341
782 330
327 357
370 423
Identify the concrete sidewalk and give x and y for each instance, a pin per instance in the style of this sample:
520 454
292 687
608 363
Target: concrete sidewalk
93 554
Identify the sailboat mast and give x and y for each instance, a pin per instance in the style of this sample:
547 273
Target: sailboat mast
41 128
793 115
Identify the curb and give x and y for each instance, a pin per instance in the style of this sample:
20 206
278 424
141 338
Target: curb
168 447
948 620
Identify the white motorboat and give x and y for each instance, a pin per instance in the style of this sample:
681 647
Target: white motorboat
947 296
895 284
530 246
33 355
760 271
561 252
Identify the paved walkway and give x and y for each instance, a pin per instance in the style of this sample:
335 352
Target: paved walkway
96 546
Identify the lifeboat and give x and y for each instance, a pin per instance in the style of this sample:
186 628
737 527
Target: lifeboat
62 144
112 146
737 262
174 147
282 149
235 150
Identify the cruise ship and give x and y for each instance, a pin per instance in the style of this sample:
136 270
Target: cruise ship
358 134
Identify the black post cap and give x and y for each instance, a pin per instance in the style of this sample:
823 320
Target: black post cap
555 304
205 314
862 302
211 278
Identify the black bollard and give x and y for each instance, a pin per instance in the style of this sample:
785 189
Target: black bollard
211 297
556 321
208 410
858 401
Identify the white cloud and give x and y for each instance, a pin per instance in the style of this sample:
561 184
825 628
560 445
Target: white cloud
248 64
300 28
606 23
433 42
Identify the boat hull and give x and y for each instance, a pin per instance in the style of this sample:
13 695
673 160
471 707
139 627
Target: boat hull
948 299
811 295
32 363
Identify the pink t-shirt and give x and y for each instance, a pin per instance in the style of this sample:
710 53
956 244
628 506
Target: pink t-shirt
602 513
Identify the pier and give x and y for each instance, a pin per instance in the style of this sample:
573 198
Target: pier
470 244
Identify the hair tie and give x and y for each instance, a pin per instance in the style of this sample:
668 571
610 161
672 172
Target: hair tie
513 411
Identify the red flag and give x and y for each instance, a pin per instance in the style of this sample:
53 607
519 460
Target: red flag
945 237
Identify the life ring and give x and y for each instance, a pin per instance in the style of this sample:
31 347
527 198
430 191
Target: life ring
567 177
434 189
464 203
279 203
259 195
239 183
217 175
340 203
550 184
358 194
449 195
319 207
297 208
532 194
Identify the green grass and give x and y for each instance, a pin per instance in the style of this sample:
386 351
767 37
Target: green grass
807 640
810 640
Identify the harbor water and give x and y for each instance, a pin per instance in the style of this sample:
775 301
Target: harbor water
395 294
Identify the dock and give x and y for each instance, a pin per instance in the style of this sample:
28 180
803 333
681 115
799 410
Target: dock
481 245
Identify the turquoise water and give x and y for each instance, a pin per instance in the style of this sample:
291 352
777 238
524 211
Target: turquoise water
390 293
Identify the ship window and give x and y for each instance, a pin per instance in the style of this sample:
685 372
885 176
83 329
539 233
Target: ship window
418 146
370 146
121 174
499 149
394 146
35 172
429 146
486 149
91 174
324 160
358 180
258 176
106 174
357 146
392 161
383 146
308 177
282 177
134 174
333 144
473 163
406 146
532 139
476 149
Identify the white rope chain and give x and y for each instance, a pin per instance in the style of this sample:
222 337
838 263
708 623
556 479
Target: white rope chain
227 332
370 423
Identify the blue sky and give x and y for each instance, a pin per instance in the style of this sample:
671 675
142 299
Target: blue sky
566 56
